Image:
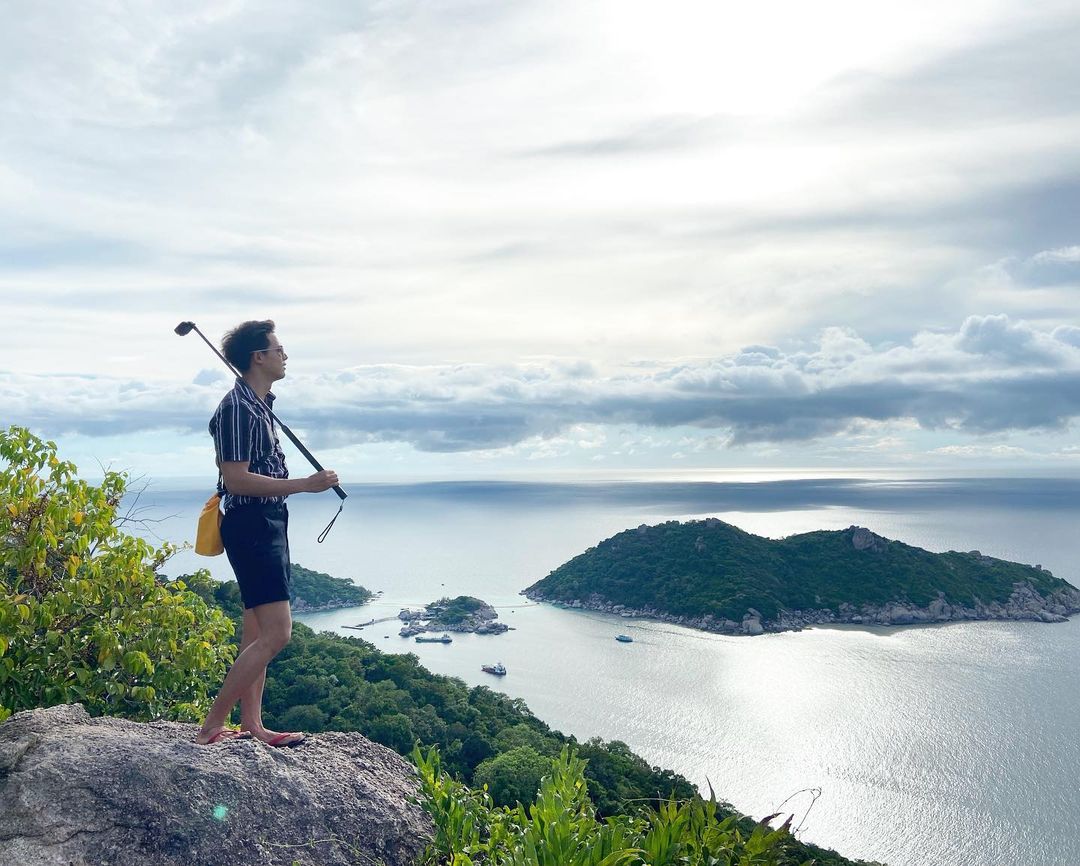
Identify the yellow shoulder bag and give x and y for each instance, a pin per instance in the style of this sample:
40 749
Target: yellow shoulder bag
208 534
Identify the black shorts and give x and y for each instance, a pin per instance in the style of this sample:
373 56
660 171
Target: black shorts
256 539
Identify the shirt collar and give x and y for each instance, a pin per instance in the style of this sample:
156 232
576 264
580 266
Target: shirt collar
245 389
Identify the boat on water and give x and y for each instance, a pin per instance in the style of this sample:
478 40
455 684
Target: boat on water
498 669
443 638
624 638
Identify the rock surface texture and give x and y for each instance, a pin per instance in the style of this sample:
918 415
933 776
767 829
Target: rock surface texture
88 791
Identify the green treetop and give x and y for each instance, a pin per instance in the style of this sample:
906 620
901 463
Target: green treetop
84 615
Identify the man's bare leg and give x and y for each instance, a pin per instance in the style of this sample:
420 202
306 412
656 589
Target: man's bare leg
251 699
248 672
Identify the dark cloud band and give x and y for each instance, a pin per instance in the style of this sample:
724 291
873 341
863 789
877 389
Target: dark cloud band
992 375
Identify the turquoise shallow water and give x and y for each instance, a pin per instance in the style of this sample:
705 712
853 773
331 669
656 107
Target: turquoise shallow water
953 744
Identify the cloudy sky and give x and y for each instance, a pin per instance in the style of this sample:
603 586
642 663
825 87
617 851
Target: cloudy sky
522 238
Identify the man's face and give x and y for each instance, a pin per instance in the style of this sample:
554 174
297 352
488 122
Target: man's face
272 359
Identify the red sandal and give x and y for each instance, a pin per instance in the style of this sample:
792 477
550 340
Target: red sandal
225 734
279 740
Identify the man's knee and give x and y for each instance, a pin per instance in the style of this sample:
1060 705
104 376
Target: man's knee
275 625
277 638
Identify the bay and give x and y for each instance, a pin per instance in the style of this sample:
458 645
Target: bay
951 744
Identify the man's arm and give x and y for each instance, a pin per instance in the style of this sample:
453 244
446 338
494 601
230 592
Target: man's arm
240 482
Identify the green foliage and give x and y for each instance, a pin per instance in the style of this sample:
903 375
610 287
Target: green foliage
84 615
617 776
522 735
450 610
394 700
512 776
561 827
303 717
318 589
708 567
216 594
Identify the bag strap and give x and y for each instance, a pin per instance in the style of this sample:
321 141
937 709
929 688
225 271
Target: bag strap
326 532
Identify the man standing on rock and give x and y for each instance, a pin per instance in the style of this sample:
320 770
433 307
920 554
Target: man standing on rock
255 483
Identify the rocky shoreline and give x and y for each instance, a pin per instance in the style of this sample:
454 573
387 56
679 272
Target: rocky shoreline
299 605
1025 603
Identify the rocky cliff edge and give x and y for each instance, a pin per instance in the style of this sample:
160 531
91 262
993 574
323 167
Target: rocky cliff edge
89 791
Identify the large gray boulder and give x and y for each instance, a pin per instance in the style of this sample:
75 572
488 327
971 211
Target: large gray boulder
82 791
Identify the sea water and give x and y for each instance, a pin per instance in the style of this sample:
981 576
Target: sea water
946 744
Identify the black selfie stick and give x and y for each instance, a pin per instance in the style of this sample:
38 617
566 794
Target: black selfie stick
185 328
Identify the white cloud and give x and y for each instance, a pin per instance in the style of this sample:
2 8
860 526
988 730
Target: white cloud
982 451
992 375
484 181
1062 254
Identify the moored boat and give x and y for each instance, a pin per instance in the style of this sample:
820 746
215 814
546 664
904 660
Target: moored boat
443 638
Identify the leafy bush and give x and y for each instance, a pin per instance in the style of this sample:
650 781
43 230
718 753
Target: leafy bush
512 776
522 735
84 615
561 827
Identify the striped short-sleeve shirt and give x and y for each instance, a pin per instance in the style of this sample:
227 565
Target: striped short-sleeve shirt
243 431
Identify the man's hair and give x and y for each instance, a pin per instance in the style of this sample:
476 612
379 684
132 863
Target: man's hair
238 344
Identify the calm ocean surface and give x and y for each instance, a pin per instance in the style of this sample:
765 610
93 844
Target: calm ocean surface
955 744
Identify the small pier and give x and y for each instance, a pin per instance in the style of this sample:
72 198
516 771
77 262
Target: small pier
371 622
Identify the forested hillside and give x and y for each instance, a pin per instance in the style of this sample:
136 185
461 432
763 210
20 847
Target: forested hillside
325 682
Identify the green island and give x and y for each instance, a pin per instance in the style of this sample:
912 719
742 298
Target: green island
314 590
711 575
464 614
